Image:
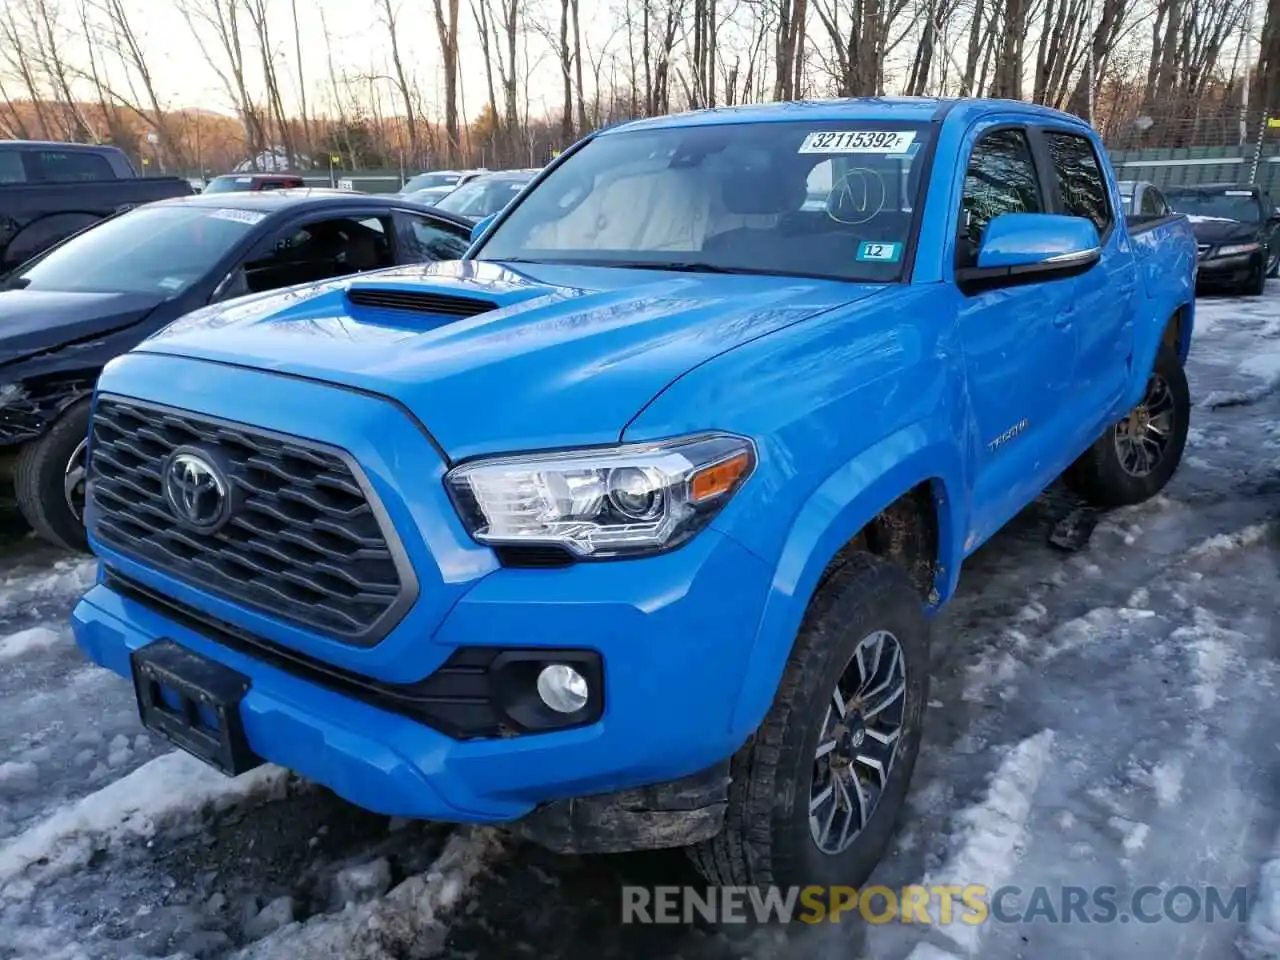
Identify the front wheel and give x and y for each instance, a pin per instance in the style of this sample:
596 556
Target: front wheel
817 790
49 480
1136 458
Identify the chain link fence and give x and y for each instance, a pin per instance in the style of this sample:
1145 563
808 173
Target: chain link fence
1227 148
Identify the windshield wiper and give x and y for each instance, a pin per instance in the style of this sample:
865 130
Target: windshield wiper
679 266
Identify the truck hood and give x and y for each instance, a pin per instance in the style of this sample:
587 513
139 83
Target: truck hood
493 357
36 321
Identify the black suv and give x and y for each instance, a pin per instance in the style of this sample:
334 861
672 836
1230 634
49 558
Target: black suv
1236 228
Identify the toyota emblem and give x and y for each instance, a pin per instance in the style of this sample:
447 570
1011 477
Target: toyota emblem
196 490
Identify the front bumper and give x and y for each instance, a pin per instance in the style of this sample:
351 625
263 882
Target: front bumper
1228 271
673 631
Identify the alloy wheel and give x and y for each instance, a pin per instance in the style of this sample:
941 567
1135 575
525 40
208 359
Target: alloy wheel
858 742
1142 438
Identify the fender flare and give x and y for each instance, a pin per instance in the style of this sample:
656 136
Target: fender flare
833 514
1147 346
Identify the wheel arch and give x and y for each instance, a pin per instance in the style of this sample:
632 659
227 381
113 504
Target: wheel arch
910 477
1175 331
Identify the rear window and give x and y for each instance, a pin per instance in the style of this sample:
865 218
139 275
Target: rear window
53 166
229 185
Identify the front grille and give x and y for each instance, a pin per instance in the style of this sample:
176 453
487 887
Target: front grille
304 542
417 302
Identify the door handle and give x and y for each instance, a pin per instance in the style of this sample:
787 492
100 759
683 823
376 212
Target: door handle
1062 319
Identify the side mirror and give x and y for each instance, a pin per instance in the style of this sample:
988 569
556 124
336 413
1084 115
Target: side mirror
1021 247
478 230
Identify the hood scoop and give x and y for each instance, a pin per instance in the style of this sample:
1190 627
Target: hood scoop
418 301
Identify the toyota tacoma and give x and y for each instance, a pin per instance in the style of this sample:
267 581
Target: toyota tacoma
626 530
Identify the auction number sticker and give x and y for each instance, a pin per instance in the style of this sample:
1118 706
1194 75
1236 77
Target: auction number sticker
876 252
858 141
239 216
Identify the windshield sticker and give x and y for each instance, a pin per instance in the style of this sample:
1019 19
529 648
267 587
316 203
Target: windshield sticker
170 283
873 252
859 141
238 216
244 179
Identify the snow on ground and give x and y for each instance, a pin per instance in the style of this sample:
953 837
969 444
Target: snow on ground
1104 717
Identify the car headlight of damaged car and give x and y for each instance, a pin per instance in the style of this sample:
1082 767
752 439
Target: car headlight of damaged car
598 503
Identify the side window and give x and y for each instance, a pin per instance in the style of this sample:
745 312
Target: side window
1153 204
1001 178
425 239
321 251
57 166
11 169
1081 184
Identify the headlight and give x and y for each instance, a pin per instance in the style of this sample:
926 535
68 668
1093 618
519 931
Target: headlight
1235 249
620 501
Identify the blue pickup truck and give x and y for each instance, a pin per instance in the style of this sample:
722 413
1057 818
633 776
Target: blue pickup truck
626 530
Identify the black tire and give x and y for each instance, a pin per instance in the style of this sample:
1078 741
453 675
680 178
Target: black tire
1099 475
766 838
39 475
1256 285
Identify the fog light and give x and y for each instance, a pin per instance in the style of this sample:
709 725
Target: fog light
562 688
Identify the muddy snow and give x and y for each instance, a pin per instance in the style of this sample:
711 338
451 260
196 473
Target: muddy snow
1100 719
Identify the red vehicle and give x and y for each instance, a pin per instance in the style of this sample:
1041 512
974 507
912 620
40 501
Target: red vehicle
244 182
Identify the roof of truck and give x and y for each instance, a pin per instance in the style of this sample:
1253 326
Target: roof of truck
910 109
60 145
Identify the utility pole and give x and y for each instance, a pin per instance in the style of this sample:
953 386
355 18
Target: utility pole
1244 50
1092 66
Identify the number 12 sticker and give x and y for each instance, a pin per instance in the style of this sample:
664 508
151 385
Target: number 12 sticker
879 252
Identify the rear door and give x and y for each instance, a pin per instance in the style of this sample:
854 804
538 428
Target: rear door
1104 298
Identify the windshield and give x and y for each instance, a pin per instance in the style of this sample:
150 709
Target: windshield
1227 205
161 249
481 197
424 181
229 184
817 198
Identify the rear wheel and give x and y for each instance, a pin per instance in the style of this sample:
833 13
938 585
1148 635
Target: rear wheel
1135 458
817 789
49 480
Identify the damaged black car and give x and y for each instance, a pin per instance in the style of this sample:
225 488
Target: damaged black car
98 294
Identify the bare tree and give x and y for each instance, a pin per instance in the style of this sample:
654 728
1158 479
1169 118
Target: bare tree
389 13
446 12
223 18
